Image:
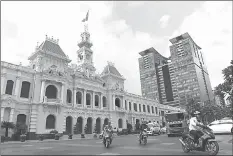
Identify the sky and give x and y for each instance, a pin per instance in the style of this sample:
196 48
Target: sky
119 31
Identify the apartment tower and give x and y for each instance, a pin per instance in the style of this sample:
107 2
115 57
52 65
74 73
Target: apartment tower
177 79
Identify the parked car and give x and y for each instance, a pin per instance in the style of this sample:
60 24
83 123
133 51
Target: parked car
222 126
153 128
163 130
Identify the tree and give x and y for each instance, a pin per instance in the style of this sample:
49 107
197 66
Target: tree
7 125
95 129
86 129
225 88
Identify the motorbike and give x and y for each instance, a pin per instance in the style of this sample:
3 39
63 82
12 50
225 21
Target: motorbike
101 135
209 144
143 137
107 139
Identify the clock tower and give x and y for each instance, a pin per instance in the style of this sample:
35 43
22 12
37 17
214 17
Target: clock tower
85 54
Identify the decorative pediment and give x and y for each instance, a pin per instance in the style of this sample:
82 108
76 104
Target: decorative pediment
8 101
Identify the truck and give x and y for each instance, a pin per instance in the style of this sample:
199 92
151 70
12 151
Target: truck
176 123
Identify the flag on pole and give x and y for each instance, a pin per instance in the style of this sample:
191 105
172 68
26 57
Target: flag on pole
86 19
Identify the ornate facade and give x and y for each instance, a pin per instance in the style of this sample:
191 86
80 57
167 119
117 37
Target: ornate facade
51 94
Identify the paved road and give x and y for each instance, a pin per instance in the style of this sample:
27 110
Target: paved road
124 145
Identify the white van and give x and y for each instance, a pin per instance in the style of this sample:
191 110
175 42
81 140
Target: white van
153 128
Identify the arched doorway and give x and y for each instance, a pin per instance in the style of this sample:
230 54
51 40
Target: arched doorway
69 124
21 119
137 124
98 125
105 122
50 122
89 125
79 126
120 124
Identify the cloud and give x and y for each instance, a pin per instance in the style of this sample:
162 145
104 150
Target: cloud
113 41
211 28
135 4
164 21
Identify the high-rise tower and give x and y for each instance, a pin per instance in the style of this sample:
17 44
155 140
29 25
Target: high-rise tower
191 72
179 80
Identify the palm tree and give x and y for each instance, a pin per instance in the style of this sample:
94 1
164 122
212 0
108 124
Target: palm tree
7 125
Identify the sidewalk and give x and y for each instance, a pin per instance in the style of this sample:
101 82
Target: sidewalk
63 138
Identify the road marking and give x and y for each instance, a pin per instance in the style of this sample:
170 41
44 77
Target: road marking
26 145
152 139
167 143
99 142
109 154
45 147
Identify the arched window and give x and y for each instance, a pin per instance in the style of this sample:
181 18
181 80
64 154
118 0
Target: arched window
25 89
130 106
152 109
117 102
125 105
69 96
96 100
104 101
148 108
50 122
140 108
135 107
79 98
88 99
144 108
9 87
156 110
51 92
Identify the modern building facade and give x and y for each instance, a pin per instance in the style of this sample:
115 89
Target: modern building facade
181 77
51 94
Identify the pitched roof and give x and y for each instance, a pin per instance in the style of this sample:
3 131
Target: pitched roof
110 69
48 45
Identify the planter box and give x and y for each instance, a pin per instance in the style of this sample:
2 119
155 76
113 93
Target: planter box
22 138
57 137
70 136
2 138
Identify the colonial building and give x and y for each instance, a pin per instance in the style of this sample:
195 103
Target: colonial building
51 94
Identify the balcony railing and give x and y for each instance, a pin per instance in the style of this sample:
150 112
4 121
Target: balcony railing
57 100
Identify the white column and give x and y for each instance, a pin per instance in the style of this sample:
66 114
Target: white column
146 109
2 113
12 114
42 91
113 102
17 87
3 83
74 97
93 100
138 107
123 103
101 101
62 93
84 98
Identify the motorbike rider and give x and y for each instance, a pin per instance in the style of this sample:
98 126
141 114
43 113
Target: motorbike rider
109 128
194 125
142 127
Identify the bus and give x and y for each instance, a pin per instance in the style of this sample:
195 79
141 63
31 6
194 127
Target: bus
176 123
